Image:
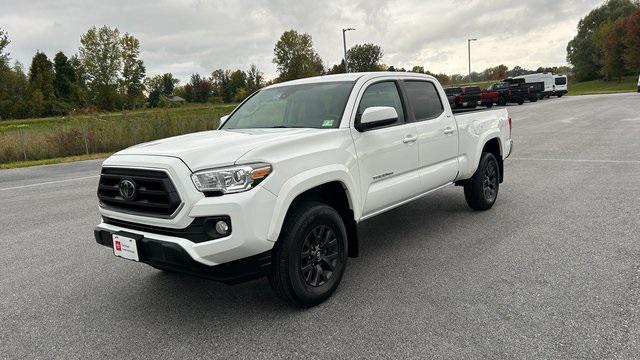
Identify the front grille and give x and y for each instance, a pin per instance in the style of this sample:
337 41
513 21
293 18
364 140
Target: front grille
154 194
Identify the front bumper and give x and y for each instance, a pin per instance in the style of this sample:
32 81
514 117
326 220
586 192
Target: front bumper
171 256
250 213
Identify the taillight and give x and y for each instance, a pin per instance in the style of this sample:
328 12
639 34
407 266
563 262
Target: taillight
510 92
510 126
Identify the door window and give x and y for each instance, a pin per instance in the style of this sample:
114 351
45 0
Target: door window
382 94
424 99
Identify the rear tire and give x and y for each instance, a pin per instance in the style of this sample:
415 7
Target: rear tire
481 191
502 101
520 101
310 256
489 105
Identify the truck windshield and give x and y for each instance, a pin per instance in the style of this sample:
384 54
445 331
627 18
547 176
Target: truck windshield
318 105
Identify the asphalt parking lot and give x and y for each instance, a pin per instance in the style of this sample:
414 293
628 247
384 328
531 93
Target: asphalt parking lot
552 271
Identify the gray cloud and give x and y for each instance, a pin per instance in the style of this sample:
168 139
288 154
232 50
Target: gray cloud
187 36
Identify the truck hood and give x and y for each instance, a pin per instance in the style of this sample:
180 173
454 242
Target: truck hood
215 148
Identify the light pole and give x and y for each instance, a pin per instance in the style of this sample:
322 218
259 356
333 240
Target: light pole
344 44
469 51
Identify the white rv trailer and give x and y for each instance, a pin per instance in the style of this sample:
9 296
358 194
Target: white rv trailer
545 78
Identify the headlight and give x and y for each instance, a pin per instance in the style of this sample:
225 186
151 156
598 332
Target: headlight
231 179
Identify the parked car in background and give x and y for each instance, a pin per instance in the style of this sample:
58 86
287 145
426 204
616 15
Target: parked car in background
454 96
280 188
561 85
489 97
465 97
534 90
510 93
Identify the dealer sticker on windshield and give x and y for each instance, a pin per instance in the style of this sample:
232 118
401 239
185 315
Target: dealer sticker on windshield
327 123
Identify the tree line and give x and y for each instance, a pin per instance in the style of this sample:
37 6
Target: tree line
607 44
107 72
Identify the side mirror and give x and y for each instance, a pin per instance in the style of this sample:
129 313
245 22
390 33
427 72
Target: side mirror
376 116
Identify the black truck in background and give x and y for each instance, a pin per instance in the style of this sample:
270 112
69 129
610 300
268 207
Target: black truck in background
535 90
511 93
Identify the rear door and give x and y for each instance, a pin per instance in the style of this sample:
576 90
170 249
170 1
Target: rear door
437 134
387 156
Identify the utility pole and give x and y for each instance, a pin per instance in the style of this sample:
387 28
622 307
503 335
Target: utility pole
344 44
469 51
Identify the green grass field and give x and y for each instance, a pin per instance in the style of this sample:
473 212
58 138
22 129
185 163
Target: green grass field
628 84
58 139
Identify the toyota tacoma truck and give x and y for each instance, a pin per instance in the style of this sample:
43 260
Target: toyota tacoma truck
279 189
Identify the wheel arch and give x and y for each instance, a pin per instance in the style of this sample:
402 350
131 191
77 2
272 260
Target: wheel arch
336 191
494 146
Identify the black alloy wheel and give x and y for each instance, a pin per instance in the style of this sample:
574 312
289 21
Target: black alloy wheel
319 256
490 181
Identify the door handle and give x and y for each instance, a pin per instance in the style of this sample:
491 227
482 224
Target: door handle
409 139
449 131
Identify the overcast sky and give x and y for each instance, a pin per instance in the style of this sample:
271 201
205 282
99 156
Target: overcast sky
188 36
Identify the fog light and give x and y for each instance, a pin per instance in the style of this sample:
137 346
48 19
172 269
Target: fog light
222 227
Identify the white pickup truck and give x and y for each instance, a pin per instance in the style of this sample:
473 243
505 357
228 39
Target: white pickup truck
279 189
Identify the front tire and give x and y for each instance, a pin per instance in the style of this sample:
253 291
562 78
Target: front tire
310 256
481 191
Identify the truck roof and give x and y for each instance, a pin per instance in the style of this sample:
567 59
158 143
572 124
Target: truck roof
350 77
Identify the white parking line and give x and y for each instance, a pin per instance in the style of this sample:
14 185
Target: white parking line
580 160
49 182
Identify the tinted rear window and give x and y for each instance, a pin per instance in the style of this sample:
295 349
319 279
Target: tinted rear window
452 91
424 99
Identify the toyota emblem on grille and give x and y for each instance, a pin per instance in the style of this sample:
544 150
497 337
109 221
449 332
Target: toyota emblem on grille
127 189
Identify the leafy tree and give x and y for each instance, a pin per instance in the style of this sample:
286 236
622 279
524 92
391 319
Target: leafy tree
198 89
337 68
518 71
495 73
164 84
614 51
295 57
159 86
418 69
133 71
41 79
4 42
237 84
443 78
632 42
13 93
80 92
100 54
221 82
583 51
364 57
65 77
255 79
